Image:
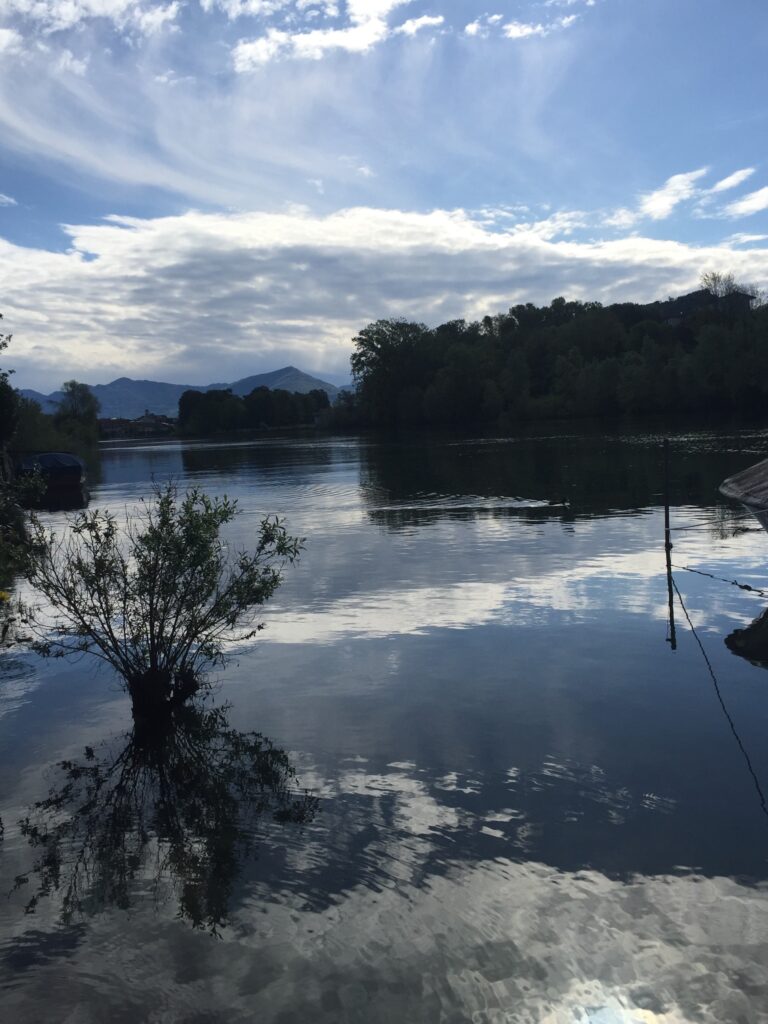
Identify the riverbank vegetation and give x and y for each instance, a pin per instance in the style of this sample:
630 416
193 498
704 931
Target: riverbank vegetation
72 428
706 352
24 428
202 413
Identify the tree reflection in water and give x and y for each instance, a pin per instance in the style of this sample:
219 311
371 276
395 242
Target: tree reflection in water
173 813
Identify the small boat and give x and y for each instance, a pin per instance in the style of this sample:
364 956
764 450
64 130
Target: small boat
64 476
750 486
58 469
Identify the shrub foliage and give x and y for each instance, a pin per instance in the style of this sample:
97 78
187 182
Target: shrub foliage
158 599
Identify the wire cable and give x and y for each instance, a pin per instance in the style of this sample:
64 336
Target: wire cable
734 583
742 748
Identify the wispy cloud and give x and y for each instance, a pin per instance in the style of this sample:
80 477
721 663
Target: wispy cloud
483 25
413 25
743 238
52 16
7 200
732 181
367 26
658 205
754 202
523 30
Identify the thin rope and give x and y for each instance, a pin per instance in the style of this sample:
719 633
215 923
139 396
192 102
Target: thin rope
734 583
731 723
717 522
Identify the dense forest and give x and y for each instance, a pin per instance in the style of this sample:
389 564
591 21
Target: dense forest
706 352
212 412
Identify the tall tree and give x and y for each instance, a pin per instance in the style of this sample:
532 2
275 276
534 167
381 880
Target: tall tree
79 403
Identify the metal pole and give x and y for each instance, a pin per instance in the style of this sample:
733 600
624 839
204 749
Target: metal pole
668 549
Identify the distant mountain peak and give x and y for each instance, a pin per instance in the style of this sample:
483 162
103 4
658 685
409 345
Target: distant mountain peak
125 398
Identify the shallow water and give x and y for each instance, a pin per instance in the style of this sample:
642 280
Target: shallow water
529 806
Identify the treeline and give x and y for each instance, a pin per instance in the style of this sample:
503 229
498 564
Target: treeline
565 359
213 412
73 427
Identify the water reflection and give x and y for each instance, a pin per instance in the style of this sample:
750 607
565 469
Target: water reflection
752 641
64 499
565 476
175 815
532 811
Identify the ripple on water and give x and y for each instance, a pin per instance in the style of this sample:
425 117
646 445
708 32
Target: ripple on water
18 679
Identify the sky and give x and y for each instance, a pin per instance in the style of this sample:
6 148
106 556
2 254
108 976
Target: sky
199 190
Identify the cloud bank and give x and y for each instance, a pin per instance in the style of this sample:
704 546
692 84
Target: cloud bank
199 296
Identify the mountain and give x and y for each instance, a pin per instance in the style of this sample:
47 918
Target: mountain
127 399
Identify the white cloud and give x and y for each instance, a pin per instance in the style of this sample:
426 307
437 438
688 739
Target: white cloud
659 205
749 204
557 225
69 63
10 41
662 202
7 200
154 19
413 25
367 27
621 218
245 8
737 178
207 296
521 29
60 15
742 238
248 54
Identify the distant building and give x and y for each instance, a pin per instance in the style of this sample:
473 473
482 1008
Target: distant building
149 425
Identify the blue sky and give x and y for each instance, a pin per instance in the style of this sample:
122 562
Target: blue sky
196 190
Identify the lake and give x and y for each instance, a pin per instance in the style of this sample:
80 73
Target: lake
513 800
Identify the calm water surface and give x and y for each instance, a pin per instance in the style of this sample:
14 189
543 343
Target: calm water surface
524 805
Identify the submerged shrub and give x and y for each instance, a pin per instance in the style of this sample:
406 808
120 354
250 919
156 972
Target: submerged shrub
159 599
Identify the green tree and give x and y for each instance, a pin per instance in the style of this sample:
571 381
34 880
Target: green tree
160 600
384 359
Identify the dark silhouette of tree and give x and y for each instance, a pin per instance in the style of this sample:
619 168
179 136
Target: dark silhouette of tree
388 356
9 405
78 403
176 812
214 412
704 352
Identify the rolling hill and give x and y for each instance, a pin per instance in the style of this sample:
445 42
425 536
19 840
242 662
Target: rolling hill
127 398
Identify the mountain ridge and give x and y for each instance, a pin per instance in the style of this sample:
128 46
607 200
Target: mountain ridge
127 398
